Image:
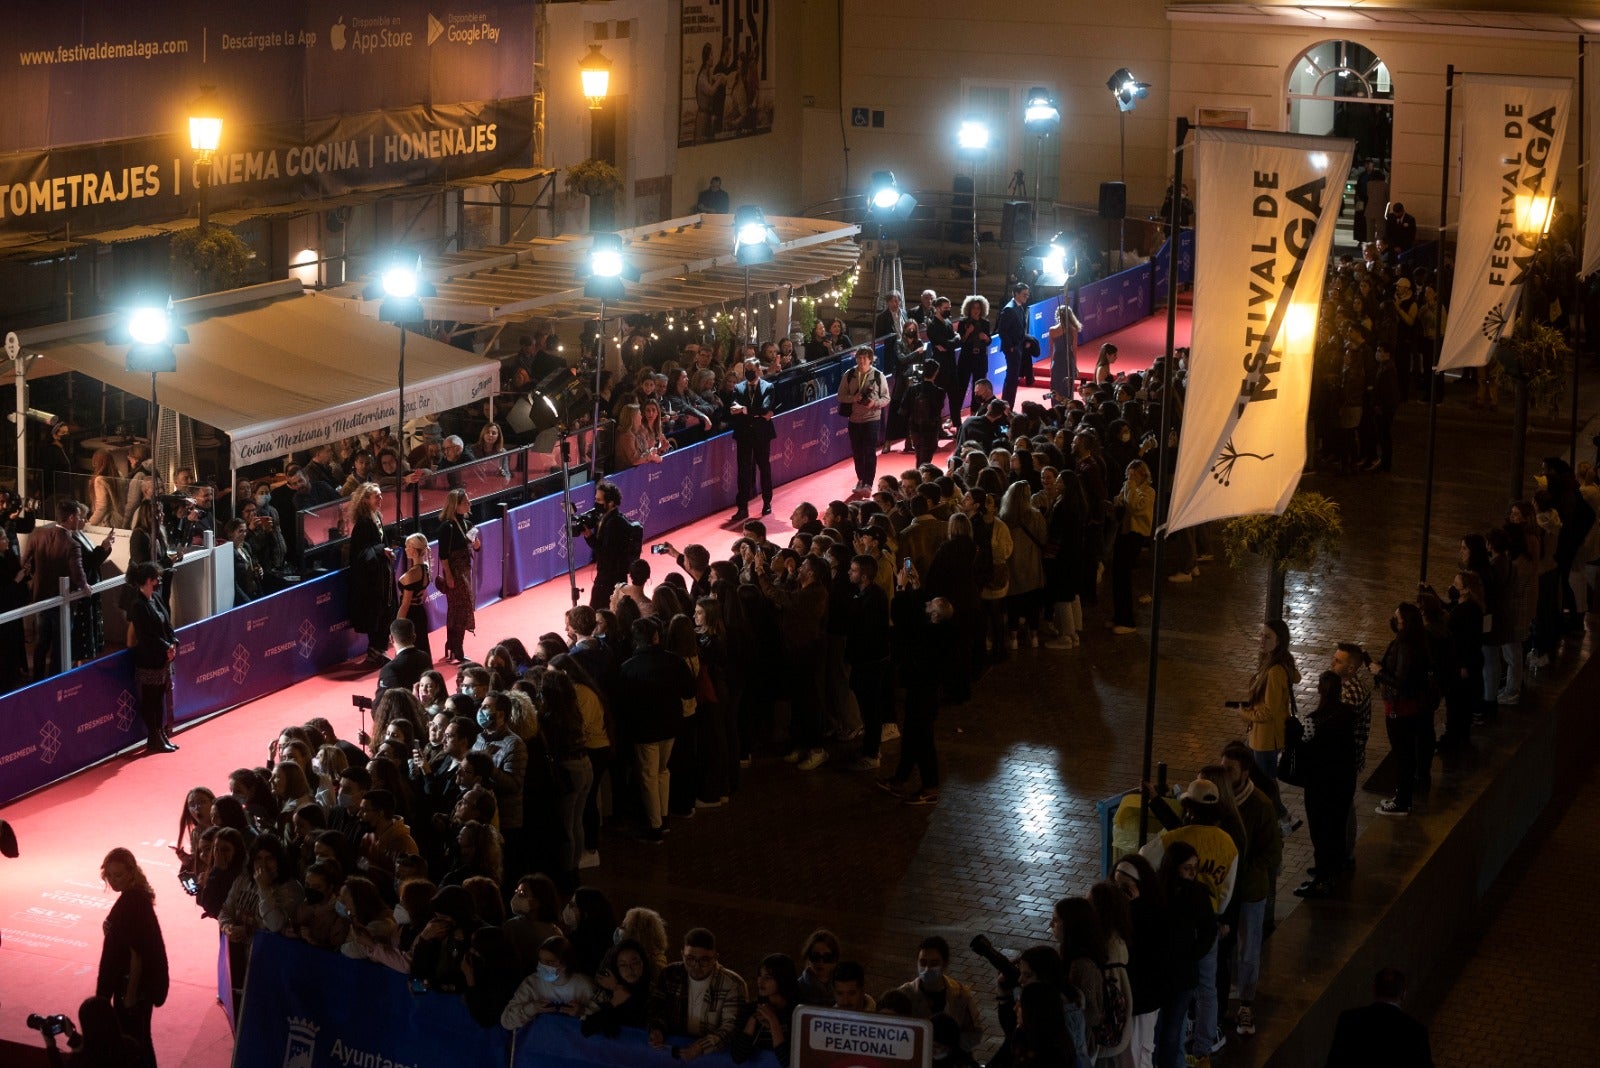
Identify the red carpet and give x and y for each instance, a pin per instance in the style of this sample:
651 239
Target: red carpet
52 901
1137 345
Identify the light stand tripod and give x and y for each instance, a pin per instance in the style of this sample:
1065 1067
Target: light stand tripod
566 508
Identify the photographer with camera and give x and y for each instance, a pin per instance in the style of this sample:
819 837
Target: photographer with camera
614 541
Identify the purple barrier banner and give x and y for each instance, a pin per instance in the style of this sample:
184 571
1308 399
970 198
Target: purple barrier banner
487 573
538 547
1109 305
61 725
262 647
687 484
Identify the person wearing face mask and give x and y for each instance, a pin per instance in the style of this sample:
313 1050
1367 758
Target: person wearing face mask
316 921
555 986
932 992
510 756
369 922
591 926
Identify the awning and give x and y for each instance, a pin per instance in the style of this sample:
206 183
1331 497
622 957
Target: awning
684 264
279 371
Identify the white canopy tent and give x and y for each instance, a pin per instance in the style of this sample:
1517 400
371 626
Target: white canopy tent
279 370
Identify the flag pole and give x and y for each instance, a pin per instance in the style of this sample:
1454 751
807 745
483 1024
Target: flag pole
1163 489
1438 332
1583 228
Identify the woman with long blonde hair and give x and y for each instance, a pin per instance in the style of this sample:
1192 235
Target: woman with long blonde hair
133 959
458 542
414 589
372 595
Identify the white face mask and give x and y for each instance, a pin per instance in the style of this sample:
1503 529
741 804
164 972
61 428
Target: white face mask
548 974
402 915
521 906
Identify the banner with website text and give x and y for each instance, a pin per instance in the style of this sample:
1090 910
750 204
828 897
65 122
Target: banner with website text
81 72
1265 210
1512 131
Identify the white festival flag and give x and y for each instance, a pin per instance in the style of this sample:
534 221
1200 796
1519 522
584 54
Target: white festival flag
1264 216
1512 131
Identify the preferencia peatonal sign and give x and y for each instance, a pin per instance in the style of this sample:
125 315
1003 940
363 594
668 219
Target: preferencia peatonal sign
833 1038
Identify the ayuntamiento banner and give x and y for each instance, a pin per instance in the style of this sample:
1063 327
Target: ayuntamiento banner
1512 131
1265 212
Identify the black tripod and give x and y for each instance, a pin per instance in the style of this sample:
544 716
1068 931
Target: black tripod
566 509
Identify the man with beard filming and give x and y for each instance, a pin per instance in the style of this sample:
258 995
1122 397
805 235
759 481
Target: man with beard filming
614 539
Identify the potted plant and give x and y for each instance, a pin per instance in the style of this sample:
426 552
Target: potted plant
600 181
1306 533
208 261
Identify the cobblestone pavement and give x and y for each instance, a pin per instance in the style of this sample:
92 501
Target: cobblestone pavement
1045 737
1524 988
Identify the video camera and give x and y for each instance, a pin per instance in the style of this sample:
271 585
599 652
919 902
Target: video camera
1002 964
579 522
55 1024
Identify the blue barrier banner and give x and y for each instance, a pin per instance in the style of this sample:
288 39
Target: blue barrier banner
552 1041
1185 264
310 1008
261 647
1109 305
487 574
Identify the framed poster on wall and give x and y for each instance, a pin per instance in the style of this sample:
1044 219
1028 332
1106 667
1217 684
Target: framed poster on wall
1228 118
725 70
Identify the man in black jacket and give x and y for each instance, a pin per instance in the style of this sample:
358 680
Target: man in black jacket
942 342
1013 328
925 646
753 407
867 650
612 543
654 686
921 407
1381 1035
405 669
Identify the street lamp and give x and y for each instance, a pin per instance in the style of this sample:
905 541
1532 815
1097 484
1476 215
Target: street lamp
205 133
753 242
973 139
1127 91
595 70
152 332
1531 216
602 279
400 288
1042 118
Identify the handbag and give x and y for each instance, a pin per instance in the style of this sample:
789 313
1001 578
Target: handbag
1292 763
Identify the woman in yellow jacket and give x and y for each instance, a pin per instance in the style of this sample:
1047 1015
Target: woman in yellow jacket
1271 697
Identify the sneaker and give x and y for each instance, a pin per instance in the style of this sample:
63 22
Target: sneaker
1244 1022
1033 639
1538 660
1288 825
891 731
1507 697
1222 1040
1180 577
590 859
1145 598
1119 629
1011 642
793 756
1060 643
889 786
702 803
862 763
1388 807
924 798
813 760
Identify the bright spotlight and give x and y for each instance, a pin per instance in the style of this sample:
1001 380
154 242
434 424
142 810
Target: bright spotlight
886 198
1127 89
149 325
1041 112
973 136
400 281
606 263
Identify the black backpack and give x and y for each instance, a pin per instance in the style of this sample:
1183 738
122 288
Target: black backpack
635 534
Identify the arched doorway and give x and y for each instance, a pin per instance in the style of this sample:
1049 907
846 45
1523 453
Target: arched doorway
1342 88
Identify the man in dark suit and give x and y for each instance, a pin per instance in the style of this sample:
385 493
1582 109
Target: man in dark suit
1013 327
404 670
53 554
751 411
1381 1035
942 340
